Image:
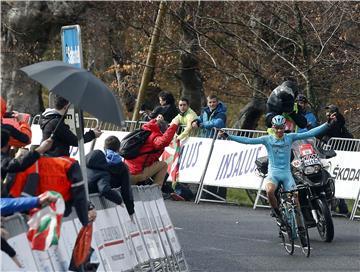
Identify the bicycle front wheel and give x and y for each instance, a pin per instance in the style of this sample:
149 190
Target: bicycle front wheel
305 241
287 231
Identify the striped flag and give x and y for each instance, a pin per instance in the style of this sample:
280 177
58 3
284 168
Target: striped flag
171 156
45 223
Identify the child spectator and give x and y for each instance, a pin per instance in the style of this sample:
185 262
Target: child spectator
106 171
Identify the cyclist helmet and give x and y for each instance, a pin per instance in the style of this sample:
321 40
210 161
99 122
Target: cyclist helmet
278 121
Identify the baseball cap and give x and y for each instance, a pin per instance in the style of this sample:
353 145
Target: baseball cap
332 108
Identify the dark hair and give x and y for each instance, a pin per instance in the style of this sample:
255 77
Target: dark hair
60 102
168 97
185 99
163 125
212 96
112 143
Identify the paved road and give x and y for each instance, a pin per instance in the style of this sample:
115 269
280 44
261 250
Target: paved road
221 238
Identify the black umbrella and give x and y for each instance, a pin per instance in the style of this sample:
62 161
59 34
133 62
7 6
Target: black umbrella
78 86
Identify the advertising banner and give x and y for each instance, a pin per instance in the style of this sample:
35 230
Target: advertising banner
232 165
192 161
146 231
345 169
111 242
133 231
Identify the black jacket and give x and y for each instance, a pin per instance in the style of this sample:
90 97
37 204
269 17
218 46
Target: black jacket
281 100
169 112
15 133
63 138
337 129
103 177
11 166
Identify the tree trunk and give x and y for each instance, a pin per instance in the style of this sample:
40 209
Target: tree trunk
190 75
150 62
250 115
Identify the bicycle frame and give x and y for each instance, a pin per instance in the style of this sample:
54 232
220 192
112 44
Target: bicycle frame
294 221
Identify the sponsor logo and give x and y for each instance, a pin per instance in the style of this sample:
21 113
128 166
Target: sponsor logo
238 163
189 155
348 174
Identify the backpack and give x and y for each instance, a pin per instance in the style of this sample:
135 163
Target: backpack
130 145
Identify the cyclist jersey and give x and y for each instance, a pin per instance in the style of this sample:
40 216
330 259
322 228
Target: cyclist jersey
279 150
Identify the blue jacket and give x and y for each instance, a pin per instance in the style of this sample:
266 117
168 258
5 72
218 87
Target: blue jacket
209 120
311 121
19 204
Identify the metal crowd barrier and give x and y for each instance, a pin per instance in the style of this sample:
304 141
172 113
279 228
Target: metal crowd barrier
344 144
147 242
231 131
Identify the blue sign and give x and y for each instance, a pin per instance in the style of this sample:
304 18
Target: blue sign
71 45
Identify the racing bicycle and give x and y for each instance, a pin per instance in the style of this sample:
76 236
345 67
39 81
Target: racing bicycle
293 227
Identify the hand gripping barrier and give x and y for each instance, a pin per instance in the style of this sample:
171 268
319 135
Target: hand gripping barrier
147 242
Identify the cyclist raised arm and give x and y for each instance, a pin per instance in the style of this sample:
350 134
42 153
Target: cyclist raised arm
278 146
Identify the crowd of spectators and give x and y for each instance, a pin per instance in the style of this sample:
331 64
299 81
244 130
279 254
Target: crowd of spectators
107 171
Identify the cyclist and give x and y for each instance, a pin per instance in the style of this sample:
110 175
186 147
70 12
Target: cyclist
278 146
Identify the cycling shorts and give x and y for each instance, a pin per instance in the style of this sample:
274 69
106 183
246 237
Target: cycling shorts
285 178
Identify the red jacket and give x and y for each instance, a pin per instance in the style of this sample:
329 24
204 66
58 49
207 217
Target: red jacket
156 141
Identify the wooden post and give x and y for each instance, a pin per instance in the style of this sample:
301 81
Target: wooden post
150 61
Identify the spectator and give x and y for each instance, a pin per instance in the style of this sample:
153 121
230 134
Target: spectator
106 171
337 129
212 116
21 204
282 102
337 126
10 165
302 104
148 165
15 124
59 174
167 108
185 117
63 137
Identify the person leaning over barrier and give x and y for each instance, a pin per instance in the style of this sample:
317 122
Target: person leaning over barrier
278 147
147 165
15 165
106 170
